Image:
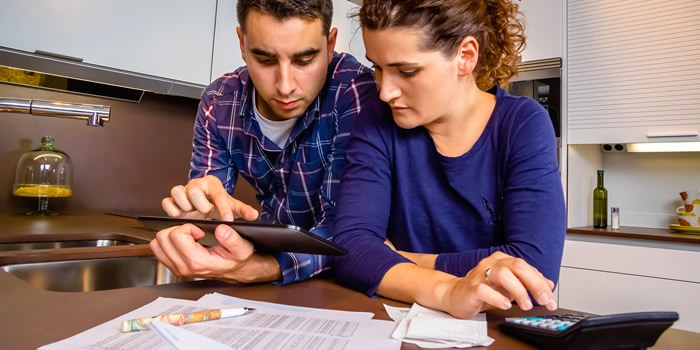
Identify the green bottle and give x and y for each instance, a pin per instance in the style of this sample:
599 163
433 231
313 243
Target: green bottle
600 204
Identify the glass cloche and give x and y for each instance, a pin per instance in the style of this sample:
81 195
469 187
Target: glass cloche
44 172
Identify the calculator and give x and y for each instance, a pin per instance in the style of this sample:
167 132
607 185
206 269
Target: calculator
578 331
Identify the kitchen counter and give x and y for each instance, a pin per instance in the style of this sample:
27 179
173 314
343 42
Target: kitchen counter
643 233
34 317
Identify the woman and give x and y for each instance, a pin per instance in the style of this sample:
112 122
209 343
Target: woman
463 182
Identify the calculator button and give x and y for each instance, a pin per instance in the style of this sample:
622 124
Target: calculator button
561 328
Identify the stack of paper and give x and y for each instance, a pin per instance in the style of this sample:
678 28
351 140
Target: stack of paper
270 326
429 328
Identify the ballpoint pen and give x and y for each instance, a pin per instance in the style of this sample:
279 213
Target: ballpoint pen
141 324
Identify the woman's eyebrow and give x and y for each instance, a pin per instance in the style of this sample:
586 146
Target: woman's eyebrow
396 64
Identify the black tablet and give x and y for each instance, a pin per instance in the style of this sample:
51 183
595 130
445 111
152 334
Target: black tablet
265 237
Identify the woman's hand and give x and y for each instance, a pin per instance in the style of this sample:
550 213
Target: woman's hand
508 279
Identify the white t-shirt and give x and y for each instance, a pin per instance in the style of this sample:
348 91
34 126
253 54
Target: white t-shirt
277 132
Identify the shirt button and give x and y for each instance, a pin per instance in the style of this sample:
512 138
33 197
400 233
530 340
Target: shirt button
280 165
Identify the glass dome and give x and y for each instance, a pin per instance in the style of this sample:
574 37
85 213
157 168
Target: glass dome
44 172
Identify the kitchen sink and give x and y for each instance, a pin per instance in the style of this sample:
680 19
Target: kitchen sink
94 274
10 243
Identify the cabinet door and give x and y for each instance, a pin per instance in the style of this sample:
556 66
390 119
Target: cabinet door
543 29
227 52
163 38
633 70
610 293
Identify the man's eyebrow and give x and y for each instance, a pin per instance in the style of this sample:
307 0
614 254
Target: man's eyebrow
307 52
261 52
395 64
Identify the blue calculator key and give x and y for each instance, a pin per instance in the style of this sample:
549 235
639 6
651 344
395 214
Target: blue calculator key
532 318
561 328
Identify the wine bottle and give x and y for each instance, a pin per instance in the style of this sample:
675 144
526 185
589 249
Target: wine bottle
600 204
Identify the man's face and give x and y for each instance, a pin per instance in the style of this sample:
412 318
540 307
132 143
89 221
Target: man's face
287 61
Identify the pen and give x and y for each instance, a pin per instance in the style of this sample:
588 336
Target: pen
141 324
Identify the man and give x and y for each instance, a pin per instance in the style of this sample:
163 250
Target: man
281 122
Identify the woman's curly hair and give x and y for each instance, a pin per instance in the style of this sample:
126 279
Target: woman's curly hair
497 26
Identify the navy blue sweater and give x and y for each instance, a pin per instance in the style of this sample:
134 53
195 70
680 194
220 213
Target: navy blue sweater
504 194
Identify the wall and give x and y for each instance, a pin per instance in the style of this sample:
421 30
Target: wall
128 165
644 186
349 34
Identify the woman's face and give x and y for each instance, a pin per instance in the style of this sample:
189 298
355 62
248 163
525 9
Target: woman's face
420 86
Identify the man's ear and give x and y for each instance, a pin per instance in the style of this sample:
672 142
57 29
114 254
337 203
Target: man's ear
241 43
332 37
467 55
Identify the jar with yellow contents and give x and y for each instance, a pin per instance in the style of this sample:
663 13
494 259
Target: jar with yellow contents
44 172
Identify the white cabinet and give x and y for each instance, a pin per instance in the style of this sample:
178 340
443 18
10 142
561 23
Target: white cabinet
632 70
161 38
227 53
613 277
543 29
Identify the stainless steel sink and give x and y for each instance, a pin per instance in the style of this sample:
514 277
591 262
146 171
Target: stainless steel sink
9 243
6 247
94 274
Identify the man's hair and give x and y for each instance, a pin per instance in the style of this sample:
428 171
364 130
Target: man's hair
284 9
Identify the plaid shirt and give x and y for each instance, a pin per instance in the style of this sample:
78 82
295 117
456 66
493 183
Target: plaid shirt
300 187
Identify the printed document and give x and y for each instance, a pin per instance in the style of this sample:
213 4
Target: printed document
269 327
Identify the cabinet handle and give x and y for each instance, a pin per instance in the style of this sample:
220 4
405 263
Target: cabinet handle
58 55
671 137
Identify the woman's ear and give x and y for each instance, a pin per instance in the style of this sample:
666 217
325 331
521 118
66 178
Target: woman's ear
467 55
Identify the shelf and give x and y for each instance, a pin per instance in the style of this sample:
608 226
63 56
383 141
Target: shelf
652 234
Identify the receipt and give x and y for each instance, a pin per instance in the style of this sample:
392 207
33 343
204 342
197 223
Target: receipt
430 328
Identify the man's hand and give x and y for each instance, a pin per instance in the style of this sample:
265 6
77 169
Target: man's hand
199 198
232 260
509 279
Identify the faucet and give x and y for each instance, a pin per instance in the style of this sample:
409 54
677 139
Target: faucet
95 115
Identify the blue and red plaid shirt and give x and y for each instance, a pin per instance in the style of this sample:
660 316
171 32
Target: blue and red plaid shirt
301 185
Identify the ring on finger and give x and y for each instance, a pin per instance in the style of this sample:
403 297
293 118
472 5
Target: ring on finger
488 272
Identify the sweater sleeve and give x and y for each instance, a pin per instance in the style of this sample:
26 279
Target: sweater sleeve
533 211
362 213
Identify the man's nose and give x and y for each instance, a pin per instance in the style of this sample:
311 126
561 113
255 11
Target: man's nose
285 80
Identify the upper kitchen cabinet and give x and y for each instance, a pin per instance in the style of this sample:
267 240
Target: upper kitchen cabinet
633 71
227 52
543 27
169 39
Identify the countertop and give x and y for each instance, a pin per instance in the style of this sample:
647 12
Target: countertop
643 233
34 317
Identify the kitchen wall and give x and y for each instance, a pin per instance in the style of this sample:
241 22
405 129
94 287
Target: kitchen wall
644 186
128 165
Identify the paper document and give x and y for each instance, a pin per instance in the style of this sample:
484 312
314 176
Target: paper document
269 327
181 339
430 328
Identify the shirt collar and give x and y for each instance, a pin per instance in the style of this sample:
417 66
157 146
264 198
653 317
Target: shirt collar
247 114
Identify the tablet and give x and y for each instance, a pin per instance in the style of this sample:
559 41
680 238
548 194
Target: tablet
265 237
